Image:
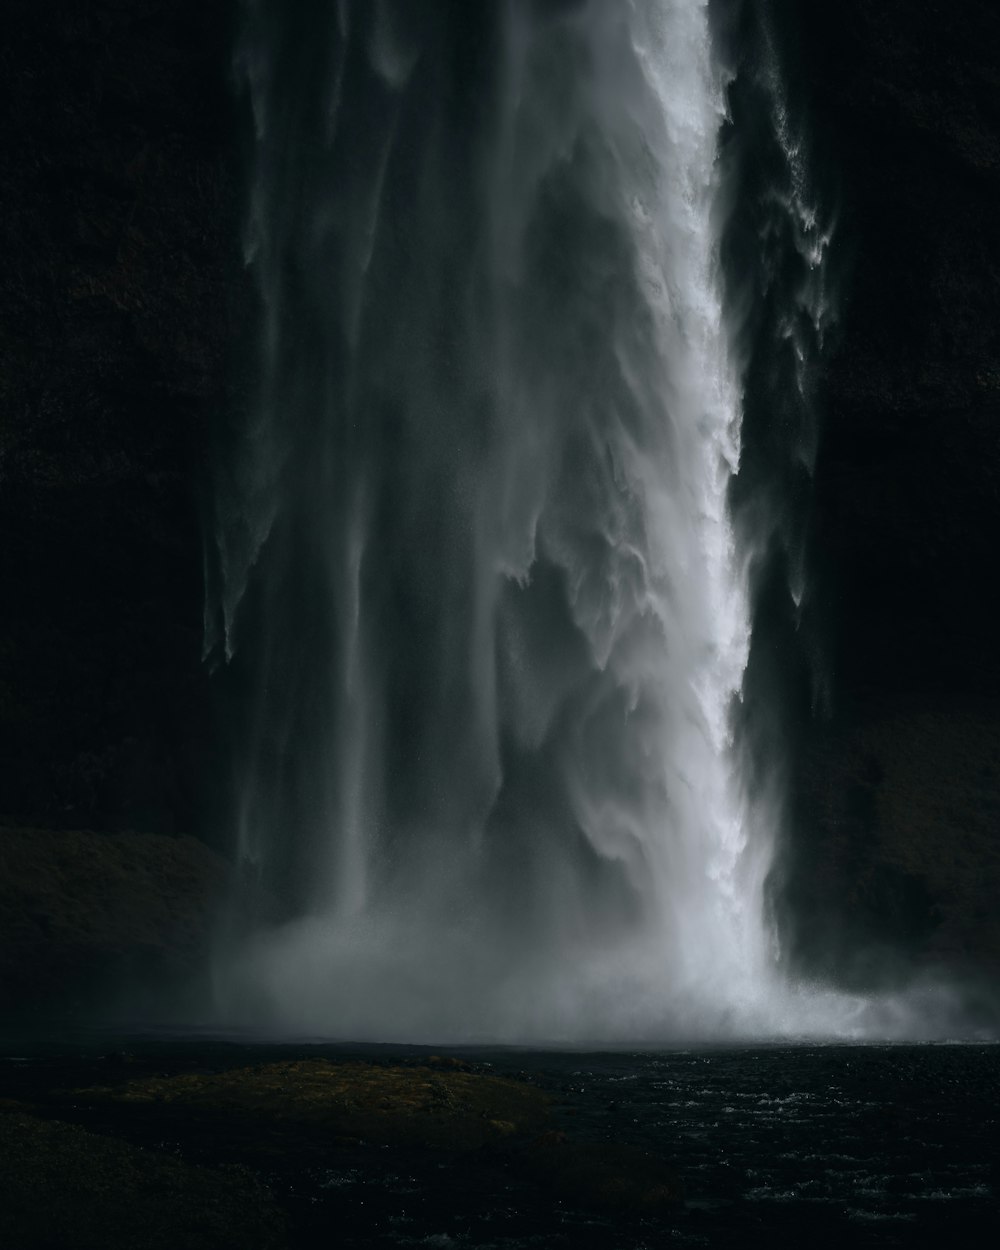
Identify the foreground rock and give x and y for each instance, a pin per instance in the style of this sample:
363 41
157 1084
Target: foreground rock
271 1111
64 1186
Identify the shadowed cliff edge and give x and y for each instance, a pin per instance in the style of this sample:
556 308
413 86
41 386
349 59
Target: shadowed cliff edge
897 847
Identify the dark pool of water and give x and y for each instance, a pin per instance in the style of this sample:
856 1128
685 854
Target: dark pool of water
874 1145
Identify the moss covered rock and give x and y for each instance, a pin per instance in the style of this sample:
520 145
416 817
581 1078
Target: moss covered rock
398 1105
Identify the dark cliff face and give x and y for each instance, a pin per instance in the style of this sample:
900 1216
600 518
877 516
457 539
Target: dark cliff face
909 479
119 295
118 232
896 846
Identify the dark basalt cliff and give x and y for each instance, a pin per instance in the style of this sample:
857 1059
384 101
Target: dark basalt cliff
908 96
897 839
118 222
119 289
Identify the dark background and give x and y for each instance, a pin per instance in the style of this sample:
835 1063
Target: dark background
123 302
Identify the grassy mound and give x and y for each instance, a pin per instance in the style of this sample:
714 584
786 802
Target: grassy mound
399 1106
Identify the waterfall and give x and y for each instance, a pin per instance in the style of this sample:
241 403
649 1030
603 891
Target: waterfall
475 553
474 580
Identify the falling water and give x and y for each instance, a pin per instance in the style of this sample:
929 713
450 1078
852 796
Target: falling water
476 581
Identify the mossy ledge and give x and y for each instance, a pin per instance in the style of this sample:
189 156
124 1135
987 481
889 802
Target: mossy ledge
370 1103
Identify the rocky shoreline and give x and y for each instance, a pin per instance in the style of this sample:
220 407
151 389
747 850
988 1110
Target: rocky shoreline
214 1158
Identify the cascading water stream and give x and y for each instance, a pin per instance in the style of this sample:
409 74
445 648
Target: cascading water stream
476 576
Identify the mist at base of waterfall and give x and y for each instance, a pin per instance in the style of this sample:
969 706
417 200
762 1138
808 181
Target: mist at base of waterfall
312 979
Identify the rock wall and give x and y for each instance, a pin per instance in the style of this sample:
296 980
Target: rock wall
908 95
118 228
896 846
95 918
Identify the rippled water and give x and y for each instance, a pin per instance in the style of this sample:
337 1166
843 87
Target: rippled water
866 1145
803 1145
880 1144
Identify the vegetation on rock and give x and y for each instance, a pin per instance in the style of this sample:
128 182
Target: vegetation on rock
377 1104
